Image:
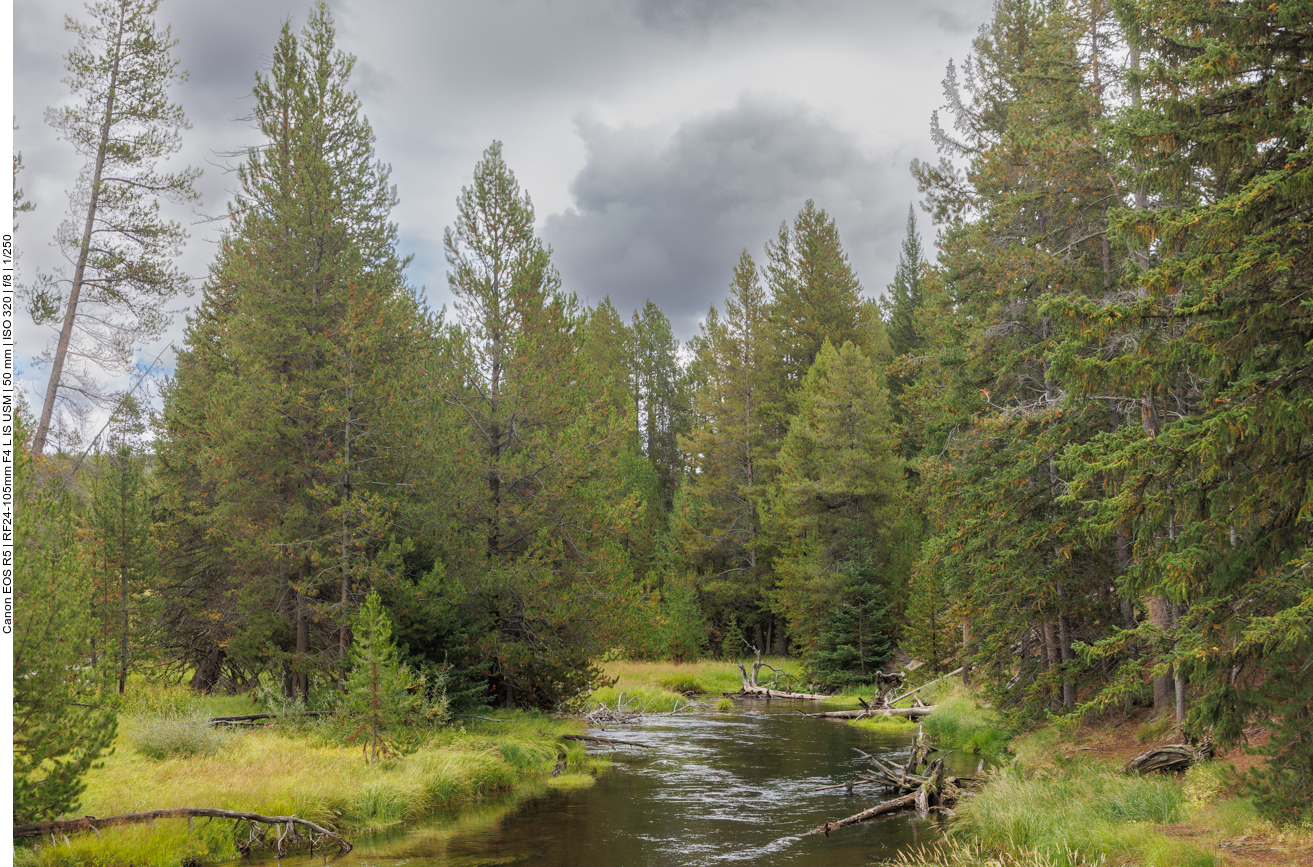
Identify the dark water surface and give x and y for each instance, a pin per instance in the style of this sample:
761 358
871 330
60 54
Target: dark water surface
726 788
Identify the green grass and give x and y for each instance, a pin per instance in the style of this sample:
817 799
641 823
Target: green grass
711 676
643 699
1078 814
961 722
305 770
885 723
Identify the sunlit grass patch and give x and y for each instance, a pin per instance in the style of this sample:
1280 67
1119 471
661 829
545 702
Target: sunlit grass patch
643 699
885 723
1080 814
713 676
302 771
959 721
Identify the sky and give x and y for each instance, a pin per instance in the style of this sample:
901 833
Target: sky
657 138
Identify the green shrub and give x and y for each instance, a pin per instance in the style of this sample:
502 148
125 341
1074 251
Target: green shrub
167 735
682 684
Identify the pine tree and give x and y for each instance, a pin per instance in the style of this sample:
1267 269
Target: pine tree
63 721
544 493
714 521
380 689
856 636
123 553
1211 489
299 429
659 391
839 488
117 242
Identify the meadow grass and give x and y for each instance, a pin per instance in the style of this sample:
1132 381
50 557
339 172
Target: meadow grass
961 722
305 771
702 677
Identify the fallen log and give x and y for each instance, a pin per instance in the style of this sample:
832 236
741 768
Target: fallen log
762 692
924 685
249 718
287 827
610 742
1171 757
861 713
903 803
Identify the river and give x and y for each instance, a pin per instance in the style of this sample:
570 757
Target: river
718 788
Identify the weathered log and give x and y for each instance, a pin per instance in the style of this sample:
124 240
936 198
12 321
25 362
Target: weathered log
248 718
860 713
610 742
91 823
902 803
1171 757
762 692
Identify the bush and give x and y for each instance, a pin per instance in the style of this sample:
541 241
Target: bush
167 735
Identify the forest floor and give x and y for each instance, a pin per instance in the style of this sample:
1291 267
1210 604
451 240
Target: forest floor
167 755
1058 797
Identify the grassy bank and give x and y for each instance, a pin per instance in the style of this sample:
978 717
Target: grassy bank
306 770
1061 800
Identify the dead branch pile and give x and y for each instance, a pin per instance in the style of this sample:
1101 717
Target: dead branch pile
922 782
251 830
624 713
754 688
1172 757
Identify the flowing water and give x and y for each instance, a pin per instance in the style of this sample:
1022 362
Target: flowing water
725 788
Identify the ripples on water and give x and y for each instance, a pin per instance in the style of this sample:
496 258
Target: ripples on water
715 789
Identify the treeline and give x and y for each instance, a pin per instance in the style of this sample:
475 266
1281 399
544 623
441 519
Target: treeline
1072 454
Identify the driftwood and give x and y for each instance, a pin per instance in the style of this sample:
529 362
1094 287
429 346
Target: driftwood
289 830
251 718
610 742
925 790
864 712
753 688
924 685
1172 757
621 714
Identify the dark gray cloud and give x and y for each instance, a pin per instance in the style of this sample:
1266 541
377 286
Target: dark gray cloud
667 220
655 194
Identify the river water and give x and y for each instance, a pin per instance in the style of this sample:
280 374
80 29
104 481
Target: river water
715 789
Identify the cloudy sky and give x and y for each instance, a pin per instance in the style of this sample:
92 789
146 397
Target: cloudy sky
658 138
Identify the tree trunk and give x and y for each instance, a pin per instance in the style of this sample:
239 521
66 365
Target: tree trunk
80 270
1164 689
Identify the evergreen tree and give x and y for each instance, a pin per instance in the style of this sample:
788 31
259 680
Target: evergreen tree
123 557
1024 225
297 432
63 720
117 242
856 636
659 394
544 495
839 488
1211 488
904 297
380 690
714 520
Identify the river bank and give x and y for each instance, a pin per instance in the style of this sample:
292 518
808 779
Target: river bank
302 768
1058 797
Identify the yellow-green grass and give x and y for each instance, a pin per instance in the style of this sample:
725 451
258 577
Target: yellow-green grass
885 723
704 676
279 771
961 722
1080 813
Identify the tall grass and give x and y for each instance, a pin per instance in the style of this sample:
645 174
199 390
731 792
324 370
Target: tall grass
960 722
1079 814
277 771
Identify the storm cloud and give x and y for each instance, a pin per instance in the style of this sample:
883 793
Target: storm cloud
666 220
658 138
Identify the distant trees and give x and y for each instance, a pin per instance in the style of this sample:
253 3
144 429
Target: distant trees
117 244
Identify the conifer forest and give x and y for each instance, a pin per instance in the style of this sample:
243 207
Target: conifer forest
1067 446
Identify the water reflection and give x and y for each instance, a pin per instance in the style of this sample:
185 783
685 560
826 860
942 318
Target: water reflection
715 789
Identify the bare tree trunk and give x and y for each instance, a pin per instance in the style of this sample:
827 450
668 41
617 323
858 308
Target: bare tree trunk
966 650
1160 615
